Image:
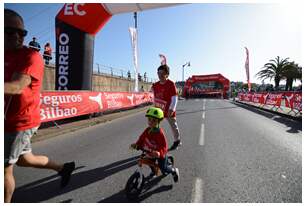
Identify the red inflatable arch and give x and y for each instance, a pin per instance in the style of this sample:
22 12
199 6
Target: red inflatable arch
213 85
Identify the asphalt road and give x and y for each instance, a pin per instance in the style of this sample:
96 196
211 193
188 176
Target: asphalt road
229 154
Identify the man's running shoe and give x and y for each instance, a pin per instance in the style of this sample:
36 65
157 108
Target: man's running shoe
65 173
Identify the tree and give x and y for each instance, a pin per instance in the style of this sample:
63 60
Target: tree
292 72
273 70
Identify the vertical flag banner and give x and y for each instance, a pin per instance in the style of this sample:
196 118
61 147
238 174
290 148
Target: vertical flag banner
133 33
247 68
163 60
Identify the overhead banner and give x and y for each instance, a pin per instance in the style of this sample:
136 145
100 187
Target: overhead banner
76 27
133 33
61 105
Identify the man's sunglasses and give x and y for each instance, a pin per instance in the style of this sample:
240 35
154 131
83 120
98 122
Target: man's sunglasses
12 30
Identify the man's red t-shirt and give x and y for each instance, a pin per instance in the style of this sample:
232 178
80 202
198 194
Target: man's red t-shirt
154 140
23 110
163 94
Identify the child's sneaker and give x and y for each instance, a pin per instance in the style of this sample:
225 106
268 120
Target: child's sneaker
176 175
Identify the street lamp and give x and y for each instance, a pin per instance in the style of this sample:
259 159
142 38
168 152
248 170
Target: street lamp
186 64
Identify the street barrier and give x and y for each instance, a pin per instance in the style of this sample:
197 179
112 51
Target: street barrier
292 100
55 105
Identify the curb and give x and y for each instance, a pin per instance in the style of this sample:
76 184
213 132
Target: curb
299 118
74 125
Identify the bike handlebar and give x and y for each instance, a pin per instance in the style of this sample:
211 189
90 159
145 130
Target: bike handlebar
142 149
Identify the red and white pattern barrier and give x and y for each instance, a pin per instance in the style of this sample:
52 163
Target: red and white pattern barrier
57 105
293 100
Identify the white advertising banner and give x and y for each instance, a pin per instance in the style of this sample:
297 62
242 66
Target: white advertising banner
133 33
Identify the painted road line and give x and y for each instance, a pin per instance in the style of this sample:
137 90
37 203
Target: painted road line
201 139
197 195
204 104
203 115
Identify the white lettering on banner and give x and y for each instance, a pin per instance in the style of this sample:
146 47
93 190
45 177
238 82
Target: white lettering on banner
63 61
55 112
113 104
114 100
256 98
113 96
62 99
71 9
297 104
273 99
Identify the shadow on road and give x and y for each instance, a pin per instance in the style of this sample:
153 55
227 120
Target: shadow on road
294 125
148 191
49 187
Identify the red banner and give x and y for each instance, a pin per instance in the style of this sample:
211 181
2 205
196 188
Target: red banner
293 100
59 105
274 99
258 98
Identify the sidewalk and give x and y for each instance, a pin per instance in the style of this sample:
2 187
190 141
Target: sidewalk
282 110
68 126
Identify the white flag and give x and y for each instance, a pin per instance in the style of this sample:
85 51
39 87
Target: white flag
133 33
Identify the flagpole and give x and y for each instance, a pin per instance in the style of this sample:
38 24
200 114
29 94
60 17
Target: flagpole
186 64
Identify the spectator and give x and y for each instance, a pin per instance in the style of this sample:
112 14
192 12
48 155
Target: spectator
22 83
47 53
34 44
145 76
142 89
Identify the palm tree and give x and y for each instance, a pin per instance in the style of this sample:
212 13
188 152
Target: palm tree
273 69
292 72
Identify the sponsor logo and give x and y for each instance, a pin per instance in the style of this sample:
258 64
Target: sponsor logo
131 98
63 67
114 100
97 99
73 9
52 107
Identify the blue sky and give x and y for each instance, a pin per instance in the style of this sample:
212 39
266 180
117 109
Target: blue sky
211 36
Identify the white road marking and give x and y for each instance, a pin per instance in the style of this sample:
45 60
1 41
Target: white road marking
197 191
201 139
203 115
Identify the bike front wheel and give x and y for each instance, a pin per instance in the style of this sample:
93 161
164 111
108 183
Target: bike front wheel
134 186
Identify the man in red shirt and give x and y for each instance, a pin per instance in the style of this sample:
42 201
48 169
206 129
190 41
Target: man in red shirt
23 75
166 97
